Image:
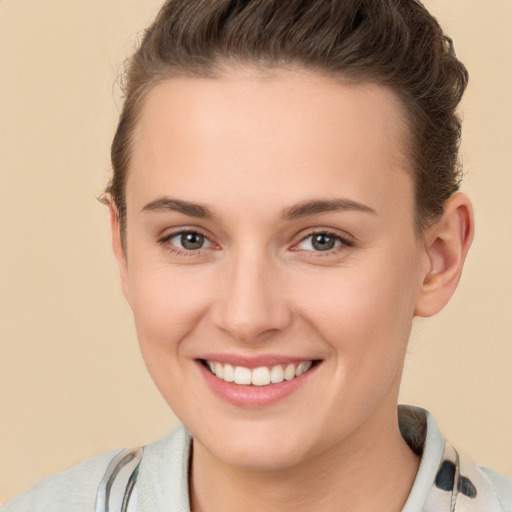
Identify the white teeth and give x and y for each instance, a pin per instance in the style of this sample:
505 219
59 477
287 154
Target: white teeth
289 372
229 373
276 374
302 368
242 375
261 376
218 370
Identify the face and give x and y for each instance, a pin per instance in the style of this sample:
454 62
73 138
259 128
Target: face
270 238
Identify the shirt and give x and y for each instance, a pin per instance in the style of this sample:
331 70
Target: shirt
445 482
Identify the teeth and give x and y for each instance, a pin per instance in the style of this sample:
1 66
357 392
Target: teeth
218 370
289 372
302 368
242 375
229 373
276 374
262 376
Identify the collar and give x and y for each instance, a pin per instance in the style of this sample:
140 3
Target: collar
445 482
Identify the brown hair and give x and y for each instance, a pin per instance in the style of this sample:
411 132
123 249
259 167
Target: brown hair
395 43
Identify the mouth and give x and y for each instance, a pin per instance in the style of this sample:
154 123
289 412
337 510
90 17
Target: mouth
261 376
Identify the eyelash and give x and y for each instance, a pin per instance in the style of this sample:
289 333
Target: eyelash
343 243
165 241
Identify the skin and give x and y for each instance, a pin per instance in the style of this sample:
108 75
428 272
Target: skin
250 146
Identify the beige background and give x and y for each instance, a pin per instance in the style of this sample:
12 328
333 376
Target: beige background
72 383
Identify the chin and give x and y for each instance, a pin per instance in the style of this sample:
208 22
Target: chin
258 447
260 457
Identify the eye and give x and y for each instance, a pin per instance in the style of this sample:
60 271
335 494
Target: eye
189 241
322 242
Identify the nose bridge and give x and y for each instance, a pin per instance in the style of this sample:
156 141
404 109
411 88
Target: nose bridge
252 303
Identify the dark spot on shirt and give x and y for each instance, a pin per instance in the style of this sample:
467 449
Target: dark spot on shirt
445 477
466 487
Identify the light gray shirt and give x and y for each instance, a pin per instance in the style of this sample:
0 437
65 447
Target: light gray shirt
445 482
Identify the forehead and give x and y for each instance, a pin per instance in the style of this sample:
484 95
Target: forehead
261 133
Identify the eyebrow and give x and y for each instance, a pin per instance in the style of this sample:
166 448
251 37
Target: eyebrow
320 206
303 209
167 204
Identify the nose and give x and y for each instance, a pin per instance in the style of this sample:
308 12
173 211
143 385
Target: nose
252 305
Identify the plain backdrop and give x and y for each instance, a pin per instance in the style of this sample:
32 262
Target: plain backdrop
72 382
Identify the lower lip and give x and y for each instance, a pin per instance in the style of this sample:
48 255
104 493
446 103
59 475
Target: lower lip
253 396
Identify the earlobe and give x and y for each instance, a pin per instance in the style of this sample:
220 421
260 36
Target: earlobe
117 245
447 244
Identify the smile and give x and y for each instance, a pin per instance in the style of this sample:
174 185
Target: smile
261 376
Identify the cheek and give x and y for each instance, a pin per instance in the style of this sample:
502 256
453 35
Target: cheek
167 306
365 309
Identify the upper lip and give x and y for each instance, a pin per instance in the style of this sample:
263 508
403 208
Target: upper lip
255 361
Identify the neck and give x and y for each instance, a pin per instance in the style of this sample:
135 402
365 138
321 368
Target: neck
374 469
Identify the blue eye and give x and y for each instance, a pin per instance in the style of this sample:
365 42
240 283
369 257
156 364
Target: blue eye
189 241
322 242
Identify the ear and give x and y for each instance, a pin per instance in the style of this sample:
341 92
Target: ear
117 245
446 244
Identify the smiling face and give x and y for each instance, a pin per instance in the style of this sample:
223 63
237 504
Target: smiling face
270 222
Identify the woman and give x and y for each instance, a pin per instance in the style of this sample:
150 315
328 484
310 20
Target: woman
284 203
